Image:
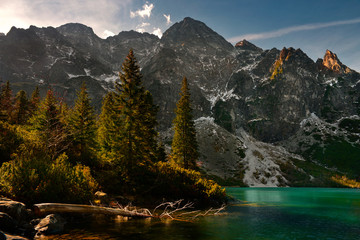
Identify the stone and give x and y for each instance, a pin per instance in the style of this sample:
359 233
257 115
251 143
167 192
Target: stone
7 223
16 210
51 224
2 236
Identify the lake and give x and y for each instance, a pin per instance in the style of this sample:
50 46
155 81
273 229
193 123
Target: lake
260 213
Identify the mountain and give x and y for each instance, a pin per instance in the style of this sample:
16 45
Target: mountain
252 106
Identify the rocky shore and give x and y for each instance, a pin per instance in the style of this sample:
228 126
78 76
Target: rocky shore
18 222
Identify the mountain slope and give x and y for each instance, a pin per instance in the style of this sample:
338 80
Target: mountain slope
254 97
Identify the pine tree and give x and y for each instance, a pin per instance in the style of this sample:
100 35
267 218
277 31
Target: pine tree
20 112
6 102
34 100
136 141
81 124
184 148
47 122
107 124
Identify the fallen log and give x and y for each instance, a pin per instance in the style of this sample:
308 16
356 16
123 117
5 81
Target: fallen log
46 208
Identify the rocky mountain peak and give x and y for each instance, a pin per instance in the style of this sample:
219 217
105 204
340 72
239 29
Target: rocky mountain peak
75 29
246 45
2 34
332 62
193 32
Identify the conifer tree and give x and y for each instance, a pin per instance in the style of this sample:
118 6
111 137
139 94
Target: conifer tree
20 112
136 141
46 121
34 100
81 125
6 102
184 147
107 124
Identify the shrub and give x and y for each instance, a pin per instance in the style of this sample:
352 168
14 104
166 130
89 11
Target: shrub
9 141
32 177
174 182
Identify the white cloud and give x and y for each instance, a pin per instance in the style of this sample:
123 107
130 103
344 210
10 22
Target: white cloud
144 24
107 34
142 27
157 32
144 12
168 21
284 31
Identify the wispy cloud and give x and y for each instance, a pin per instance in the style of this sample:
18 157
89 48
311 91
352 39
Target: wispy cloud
168 20
144 12
142 27
284 31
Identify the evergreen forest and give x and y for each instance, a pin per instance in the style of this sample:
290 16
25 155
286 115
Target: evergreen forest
52 152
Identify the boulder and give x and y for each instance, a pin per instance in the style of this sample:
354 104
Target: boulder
2 236
7 223
16 210
51 224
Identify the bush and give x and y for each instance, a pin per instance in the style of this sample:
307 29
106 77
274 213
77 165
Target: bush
32 177
174 182
9 141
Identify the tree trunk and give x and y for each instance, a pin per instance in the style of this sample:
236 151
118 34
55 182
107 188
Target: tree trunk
46 208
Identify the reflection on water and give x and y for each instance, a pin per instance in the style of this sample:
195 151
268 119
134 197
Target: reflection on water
262 213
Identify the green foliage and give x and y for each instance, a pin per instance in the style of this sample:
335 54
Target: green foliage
298 174
135 136
108 125
21 110
6 102
175 182
47 123
38 158
184 147
34 100
81 124
33 177
337 153
9 141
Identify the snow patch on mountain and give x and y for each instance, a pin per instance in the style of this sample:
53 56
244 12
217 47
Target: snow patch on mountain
261 167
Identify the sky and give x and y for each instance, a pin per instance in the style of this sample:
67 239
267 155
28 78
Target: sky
312 25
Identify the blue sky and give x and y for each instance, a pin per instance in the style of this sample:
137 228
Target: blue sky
313 26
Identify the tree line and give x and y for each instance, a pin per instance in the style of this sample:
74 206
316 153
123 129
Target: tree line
45 142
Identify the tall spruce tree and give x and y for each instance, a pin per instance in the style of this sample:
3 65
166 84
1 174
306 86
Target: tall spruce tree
108 124
6 102
184 147
34 100
81 124
136 141
20 112
47 122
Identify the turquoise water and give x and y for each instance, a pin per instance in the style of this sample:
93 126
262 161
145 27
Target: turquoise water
259 213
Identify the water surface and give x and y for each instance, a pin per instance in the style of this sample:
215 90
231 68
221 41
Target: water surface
260 213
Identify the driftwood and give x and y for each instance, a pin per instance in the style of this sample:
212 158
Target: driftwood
46 208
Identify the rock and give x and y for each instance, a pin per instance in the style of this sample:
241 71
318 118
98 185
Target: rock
7 223
35 221
16 210
2 236
14 237
101 198
51 224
